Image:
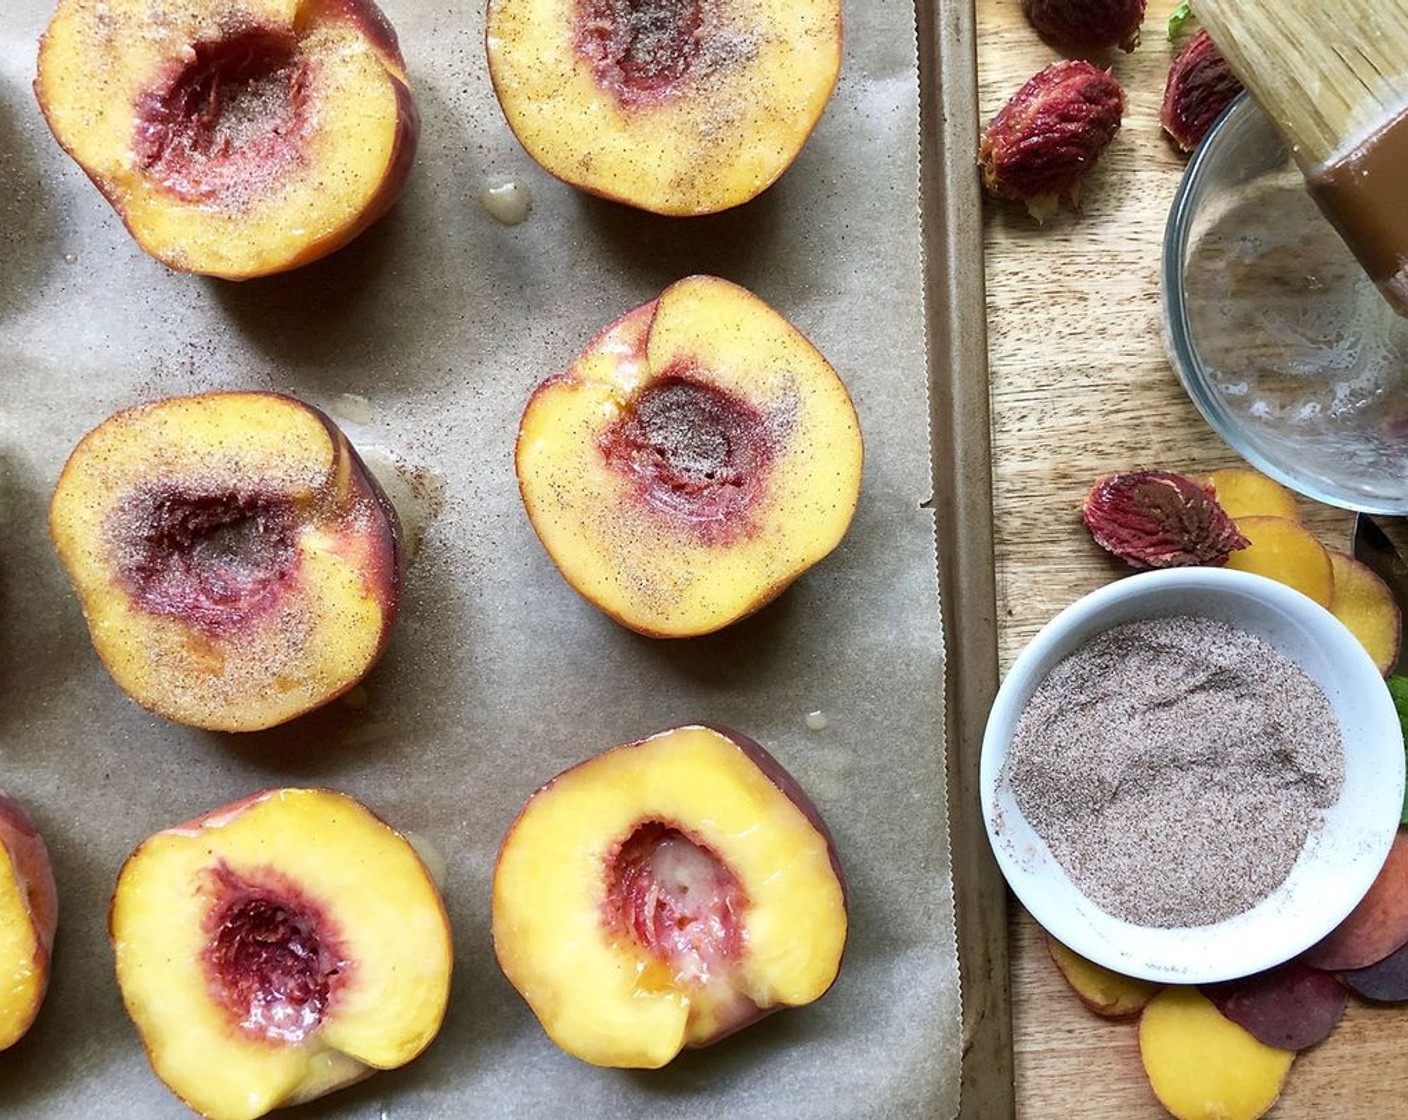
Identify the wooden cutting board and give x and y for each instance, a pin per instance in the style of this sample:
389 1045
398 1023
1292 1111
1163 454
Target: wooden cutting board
1081 387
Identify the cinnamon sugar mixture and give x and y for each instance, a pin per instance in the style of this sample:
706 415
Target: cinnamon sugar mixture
1176 767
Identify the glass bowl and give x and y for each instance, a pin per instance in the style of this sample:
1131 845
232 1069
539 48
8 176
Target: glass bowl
1278 336
1339 861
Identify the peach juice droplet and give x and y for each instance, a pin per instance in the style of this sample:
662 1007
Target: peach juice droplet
508 203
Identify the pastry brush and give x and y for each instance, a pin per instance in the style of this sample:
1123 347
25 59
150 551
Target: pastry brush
1333 77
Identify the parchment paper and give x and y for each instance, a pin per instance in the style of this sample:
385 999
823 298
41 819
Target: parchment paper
499 675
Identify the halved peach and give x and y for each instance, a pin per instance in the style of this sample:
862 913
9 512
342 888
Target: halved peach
664 894
29 914
675 106
235 138
697 458
277 949
237 564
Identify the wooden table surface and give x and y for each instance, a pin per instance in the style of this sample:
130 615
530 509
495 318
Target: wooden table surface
1081 387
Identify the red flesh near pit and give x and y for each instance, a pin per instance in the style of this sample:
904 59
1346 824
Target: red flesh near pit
272 961
228 124
214 561
639 50
696 453
678 901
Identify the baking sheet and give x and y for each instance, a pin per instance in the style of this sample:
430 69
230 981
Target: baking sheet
963 492
498 675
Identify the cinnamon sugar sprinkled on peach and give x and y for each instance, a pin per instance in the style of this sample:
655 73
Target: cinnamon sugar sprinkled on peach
675 106
236 563
696 458
232 144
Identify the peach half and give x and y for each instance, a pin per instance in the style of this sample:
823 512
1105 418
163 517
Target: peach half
665 894
681 107
235 138
236 562
29 914
278 949
697 458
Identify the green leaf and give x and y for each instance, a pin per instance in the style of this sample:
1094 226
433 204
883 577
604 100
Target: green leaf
1398 689
1181 15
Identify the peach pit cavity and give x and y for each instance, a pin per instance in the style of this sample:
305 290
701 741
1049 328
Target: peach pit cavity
676 900
695 452
213 560
639 50
229 123
269 962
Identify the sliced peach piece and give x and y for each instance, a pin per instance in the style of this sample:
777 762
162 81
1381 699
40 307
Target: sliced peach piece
697 458
664 894
1385 981
236 563
675 106
29 914
1243 492
1287 552
1105 992
1203 1066
235 138
1290 1007
277 949
1377 926
1364 603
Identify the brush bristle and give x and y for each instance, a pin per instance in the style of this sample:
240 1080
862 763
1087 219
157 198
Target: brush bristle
1330 73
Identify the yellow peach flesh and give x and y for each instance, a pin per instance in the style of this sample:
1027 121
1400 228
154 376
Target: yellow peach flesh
99 57
23 959
327 628
1203 1066
651 572
598 994
1242 492
724 135
367 881
1105 992
1365 604
1286 551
